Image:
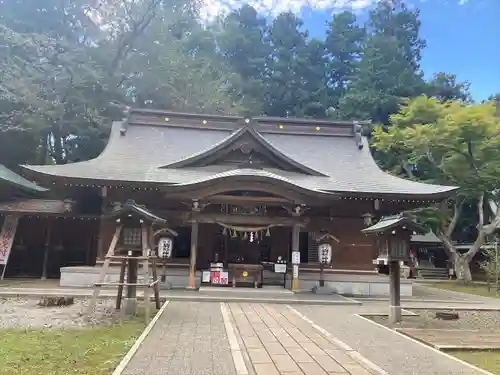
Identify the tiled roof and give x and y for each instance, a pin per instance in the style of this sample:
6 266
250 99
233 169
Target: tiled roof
10 177
143 149
390 222
130 208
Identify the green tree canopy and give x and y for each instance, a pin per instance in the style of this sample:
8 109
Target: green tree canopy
452 143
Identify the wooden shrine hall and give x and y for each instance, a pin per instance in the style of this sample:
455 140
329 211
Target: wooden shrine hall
247 197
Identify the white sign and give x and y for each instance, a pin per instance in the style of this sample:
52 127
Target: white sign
205 277
279 268
7 238
296 257
295 273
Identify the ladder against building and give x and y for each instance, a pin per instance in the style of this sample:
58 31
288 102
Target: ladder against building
132 246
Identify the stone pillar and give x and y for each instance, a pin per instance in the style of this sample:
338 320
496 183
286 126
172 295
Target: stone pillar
295 248
395 292
194 248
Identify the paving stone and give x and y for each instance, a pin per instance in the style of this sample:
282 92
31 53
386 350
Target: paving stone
289 343
285 363
266 369
299 355
356 370
312 368
328 364
312 348
259 356
275 348
252 342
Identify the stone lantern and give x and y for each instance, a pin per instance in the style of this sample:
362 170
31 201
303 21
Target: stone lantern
393 239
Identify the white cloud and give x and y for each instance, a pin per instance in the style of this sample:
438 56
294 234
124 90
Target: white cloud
212 8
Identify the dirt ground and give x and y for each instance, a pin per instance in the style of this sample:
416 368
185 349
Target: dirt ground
487 321
24 313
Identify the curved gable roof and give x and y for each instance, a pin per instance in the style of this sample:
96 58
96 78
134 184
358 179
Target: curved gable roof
157 147
233 138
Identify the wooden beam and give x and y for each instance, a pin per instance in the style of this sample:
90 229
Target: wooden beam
245 199
250 220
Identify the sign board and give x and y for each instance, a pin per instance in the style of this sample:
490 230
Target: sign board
205 277
279 268
7 238
398 249
295 273
296 257
220 278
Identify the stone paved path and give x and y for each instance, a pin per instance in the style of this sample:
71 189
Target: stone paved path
191 338
392 352
279 342
188 339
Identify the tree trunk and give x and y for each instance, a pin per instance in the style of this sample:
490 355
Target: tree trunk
461 264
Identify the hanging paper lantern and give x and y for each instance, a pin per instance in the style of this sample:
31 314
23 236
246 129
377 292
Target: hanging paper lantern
165 247
325 253
268 233
245 236
224 231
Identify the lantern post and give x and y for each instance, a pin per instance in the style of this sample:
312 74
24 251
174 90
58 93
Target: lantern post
164 252
325 251
393 238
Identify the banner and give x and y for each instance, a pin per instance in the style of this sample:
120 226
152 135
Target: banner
7 238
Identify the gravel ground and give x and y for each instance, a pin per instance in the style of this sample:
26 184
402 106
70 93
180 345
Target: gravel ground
487 321
24 313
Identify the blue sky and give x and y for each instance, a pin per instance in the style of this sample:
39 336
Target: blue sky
463 36
463 39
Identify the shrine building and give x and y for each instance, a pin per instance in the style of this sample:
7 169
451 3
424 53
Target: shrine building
241 193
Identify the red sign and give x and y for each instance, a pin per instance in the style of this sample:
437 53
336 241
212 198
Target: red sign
220 278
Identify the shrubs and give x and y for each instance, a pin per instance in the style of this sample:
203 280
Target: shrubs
50 301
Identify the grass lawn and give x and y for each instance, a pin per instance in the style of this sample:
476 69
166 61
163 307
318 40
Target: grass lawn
479 289
86 351
489 361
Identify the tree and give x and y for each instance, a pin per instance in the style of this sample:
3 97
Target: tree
244 46
389 68
175 65
70 67
444 86
450 143
491 264
344 40
55 84
295 66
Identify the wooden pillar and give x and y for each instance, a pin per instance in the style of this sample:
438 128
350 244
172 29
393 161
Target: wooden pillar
395 292
194 248
295 249
131 292
101 245
48 235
